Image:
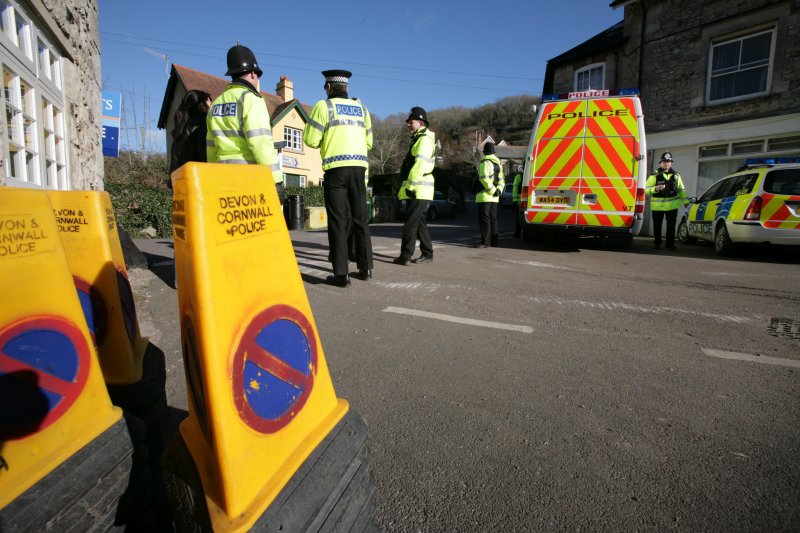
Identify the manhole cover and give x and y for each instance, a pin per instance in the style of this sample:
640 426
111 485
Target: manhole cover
784 327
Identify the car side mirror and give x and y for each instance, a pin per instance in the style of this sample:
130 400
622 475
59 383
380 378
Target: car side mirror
693 199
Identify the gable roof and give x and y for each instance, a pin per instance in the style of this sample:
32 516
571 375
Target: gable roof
214 85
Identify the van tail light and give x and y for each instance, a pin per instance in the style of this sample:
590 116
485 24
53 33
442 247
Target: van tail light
640 198
754 209
523 199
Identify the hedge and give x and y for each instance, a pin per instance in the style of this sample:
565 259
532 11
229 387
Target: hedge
138 207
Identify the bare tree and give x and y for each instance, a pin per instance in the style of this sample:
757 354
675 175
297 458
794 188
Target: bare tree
387 146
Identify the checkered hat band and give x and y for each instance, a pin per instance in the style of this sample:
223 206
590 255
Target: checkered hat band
336 79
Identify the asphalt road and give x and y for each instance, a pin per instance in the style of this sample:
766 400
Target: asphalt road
556 387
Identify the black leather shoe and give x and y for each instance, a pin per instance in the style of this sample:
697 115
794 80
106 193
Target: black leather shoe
338 281
423 259
365 275
401 261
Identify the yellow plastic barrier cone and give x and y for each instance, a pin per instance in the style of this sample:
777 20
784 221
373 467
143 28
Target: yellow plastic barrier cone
88 230
53 400
261 396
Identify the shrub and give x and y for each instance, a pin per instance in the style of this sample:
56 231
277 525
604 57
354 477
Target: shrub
312 196
138 207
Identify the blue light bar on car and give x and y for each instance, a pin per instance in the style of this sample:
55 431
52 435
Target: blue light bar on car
591 93
771 160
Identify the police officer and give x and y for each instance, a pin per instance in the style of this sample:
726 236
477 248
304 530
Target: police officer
342 130
417 189
515 198
490 175
238 121
667 193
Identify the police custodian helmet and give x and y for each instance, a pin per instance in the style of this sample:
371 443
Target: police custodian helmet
417 113
240 60
666 157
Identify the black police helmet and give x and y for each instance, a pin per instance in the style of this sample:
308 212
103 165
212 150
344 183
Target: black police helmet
240 60
417 113
666 157
488 148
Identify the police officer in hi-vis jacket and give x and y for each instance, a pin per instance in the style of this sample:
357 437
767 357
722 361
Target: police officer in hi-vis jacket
492 180
667 193
238 121
342 130
417 189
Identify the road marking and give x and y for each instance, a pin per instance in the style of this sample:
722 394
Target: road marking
458 319
539 265
622 306
411 285
763 359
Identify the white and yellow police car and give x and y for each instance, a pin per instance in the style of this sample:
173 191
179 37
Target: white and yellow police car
759 203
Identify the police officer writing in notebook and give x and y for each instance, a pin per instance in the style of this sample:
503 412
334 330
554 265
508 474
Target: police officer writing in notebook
342 130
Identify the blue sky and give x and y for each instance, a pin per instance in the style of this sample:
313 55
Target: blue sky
435 54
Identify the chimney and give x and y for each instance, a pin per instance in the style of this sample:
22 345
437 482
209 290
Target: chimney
285 89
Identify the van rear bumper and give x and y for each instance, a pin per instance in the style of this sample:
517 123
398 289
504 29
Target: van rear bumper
575 229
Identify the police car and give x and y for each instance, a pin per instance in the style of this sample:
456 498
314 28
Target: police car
759 203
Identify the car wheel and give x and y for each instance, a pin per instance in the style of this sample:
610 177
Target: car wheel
431 213
683 233
723 244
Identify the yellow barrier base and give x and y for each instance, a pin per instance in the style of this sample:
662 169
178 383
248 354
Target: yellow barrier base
261 396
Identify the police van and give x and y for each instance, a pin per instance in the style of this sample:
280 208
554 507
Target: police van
759 203
586 168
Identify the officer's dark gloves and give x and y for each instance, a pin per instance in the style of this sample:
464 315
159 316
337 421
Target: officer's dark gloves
411 194
496 192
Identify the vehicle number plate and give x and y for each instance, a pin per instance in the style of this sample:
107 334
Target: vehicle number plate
553 200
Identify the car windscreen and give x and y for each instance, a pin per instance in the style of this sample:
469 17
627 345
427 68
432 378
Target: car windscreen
783 181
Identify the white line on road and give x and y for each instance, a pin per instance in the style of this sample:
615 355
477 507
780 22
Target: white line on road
763 359
458 319
622 306
539 265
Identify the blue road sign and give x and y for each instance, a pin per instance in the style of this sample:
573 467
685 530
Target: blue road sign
111 113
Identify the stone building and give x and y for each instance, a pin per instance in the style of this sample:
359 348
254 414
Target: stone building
302 166
719 80
50 55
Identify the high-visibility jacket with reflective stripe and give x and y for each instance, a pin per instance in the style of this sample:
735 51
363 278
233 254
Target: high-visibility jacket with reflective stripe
239 130
487 177
667 203
342 130
419 164
515 193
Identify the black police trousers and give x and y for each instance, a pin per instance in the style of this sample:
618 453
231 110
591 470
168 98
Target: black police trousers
487 221
346 203
416 228
658 217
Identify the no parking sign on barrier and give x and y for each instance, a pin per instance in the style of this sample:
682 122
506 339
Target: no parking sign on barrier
53 400
257 373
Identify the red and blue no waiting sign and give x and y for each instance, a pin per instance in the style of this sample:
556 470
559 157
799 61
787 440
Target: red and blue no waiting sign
274 368
44 364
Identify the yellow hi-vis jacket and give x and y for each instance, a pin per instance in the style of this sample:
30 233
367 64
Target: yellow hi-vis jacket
487 177
239 130
342 130
418 165
669 198
516 193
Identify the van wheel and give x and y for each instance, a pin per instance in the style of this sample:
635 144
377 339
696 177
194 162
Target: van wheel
723 244
683 233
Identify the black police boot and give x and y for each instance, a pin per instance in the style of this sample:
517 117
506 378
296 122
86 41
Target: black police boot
365 275
423 259
342 280
401 261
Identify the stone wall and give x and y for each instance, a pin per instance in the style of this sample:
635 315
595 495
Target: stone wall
678 37
76 21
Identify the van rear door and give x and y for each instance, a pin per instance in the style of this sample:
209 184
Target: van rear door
585 163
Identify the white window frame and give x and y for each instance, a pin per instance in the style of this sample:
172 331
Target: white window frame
726 41
293 138
33 129
588 70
